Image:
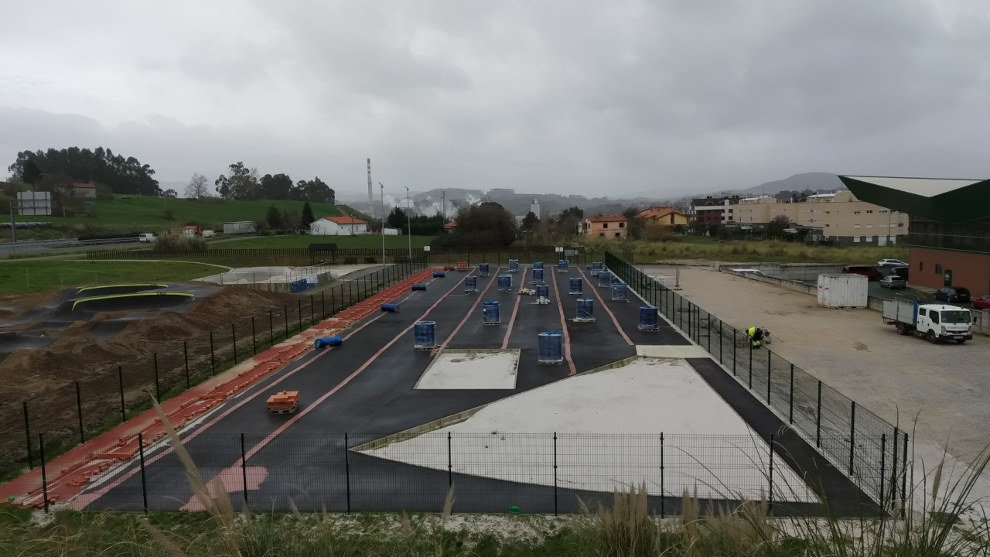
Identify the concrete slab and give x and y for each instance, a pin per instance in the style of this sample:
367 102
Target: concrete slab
471 369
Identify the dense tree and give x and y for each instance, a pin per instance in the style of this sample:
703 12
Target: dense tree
278 186
307 216
170 193
397 219
484 225
634 226
530 222
567 222
122 175
775 228
275 218
242 183
426 226
313 190
198 187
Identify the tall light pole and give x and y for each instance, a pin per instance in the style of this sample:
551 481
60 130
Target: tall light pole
408 224
382 187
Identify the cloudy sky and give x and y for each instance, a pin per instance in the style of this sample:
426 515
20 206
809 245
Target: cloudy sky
620 97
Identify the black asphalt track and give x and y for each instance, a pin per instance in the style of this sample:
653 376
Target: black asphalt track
366 385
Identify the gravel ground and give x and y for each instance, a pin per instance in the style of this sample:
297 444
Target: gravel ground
940 391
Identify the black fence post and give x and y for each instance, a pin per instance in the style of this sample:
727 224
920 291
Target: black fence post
120 381
770 492
904 459
708 331
663 497
244 471
299 313
818 418
213 358
555 473
44 474
285 308
347 472
144 480
852 436
790 405
271 330
750 365
312 310
721 343
185 359
82 434
769 378
254 338
893 468
450 461
883 470
27 432
158 388
323 305
233 340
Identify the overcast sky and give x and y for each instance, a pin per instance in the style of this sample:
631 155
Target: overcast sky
591 97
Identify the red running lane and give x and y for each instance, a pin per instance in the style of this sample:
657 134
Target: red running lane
601 302
563 328
515 311
471 310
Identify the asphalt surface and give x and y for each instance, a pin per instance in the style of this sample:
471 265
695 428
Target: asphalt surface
366 385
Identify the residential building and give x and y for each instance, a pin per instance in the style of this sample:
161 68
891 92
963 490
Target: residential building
714 211
338 226
605 226
663 216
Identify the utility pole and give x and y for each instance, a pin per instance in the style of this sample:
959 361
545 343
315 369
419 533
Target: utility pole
382 187
408 224
13 225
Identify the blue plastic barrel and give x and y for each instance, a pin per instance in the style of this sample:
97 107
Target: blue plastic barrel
542 290
513 265
604 277
574 286
424 335
620 291
390 308
585 310
647 318
470 283
483 269
328 341
490 313
596 267
537 264
418 286
537 275
551 347
504 283
562 266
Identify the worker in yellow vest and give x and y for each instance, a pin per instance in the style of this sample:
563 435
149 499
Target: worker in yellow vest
755 335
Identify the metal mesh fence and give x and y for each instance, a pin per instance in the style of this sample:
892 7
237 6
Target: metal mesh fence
91 401
488 472
853 438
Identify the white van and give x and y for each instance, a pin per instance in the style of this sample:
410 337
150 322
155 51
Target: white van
146 237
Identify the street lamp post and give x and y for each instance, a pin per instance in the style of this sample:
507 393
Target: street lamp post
408 224
382 187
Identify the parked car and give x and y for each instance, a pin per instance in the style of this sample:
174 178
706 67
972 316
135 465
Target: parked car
952 294
893 282
983 302
891 263
870 273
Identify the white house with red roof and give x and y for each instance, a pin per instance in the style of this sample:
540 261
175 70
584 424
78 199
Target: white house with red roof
338 226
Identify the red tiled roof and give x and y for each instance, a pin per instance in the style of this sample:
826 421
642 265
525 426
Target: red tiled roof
452 223
656 212
607 218
345 220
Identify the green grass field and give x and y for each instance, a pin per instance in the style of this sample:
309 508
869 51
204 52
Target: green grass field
39 275
154 214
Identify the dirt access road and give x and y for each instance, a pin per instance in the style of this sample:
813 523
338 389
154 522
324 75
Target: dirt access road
942 389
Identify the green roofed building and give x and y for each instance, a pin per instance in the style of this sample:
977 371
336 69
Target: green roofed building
949 229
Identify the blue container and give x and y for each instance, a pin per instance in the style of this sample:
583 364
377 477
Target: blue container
513 265
424 335
298 286
585 310
470 283
328 341
537 264
489 313
439 274
390 308
551 347
542 290
562 266
596 267
620 291
504 283
648 318
604 277
483 269
537 275
418 286
574 286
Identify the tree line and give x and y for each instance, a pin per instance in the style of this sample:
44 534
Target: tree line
56 168
243 183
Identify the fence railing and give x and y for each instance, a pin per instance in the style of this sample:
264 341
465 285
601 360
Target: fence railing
165 362
489 472
871 451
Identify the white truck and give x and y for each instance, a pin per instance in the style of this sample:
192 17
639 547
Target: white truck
936 322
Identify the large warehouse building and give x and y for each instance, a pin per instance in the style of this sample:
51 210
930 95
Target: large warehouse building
949 229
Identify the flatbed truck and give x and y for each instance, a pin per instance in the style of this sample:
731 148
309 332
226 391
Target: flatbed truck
935 322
